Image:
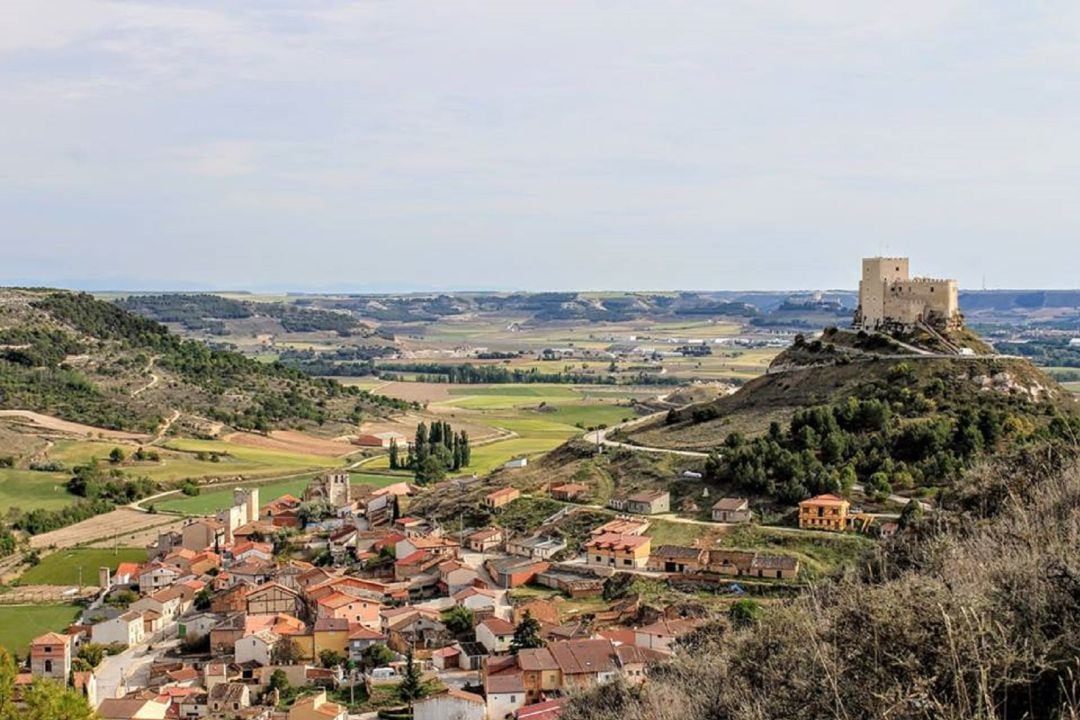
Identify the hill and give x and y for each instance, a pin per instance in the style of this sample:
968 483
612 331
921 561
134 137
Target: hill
853 408
84 360
969 613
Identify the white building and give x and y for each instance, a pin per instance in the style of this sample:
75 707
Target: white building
126 629
495 635
257 647
505 695
453 703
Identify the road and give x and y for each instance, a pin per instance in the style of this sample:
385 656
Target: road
130 668
599 437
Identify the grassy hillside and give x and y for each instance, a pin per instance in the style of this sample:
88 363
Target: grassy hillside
89 361
972 613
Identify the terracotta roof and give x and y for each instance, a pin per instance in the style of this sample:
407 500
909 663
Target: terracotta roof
359 632
327 624
615 541
498 626
533 660
413 558
502 493
584 656
547 710
826 499
508 683
484 534
51 638
127 568
622 526
570 488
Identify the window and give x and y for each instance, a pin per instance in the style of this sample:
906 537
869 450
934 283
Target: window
626 562
48 666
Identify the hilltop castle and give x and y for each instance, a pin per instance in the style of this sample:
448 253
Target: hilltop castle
889 299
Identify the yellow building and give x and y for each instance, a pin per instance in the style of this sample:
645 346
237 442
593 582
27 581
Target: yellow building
824 512
618 551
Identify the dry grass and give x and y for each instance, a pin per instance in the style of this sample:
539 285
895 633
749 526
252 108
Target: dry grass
975 614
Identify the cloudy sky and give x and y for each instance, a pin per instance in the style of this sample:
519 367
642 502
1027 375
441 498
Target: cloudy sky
548 144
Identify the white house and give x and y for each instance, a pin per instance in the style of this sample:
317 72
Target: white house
495 635
126 629
257 647
516 463
453 703
505 695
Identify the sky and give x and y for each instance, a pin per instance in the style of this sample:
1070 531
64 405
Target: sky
389 145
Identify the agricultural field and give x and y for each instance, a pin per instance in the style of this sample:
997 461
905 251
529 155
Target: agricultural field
179 460
209 502
19 624
62 567
30 490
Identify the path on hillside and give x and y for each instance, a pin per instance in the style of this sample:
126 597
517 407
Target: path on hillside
154 378
599 437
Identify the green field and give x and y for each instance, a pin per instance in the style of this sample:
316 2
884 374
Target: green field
62 567
209 502
179 461
29 490
19 624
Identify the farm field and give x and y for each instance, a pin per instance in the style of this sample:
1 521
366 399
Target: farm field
30 490
211 501
124 526
19 624
179 460
62 566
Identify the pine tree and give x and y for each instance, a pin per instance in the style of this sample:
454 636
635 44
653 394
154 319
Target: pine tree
393 454
436 433
422 449
526 634
448 436
466 451
410 688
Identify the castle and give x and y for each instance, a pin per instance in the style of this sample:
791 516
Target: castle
889 299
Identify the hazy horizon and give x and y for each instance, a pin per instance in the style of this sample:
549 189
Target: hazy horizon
588 145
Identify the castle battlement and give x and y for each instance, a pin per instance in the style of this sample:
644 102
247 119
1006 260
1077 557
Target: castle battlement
890 299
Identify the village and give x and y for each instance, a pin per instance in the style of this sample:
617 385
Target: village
215 624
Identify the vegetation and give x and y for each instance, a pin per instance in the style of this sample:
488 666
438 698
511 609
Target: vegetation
41 700
971 613
526 634
223 385
435 452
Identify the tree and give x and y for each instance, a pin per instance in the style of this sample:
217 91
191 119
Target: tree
41 700
410 688
430 470
912 513
458 619
393 454
116 456
279 681
331 658
744 612
202 599
92 653
285 652
526 634
376 655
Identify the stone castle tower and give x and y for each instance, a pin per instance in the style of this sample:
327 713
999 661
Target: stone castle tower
889 299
